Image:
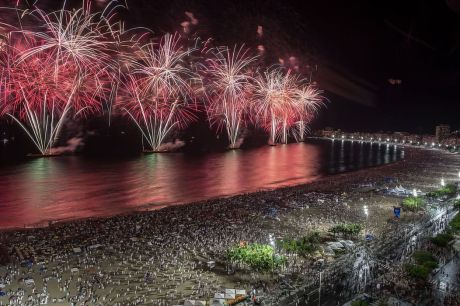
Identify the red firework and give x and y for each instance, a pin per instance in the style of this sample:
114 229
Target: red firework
229 78
276 106
161 89
38 82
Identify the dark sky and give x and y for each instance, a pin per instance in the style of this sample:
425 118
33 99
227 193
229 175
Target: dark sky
356 46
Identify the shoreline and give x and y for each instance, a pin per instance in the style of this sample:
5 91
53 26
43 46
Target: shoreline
151 207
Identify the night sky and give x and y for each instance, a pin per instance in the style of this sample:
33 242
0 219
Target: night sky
351 48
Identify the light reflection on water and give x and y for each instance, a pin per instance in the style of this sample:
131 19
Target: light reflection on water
74 187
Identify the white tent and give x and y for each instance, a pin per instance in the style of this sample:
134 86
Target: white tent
29 281
230 293
334 245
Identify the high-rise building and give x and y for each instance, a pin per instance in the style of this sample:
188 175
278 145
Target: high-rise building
442 132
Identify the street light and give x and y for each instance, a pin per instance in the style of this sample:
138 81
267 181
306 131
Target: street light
443 183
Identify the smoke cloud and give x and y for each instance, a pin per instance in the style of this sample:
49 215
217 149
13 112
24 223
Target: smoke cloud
72 145
171 146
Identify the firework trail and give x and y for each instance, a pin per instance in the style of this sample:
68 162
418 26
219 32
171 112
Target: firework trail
40 105
71 35
310 99
276 106
161 89
230 77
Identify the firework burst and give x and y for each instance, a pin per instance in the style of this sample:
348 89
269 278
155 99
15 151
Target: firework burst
161 89
39 104
310 99
276 106
230 77
54 65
